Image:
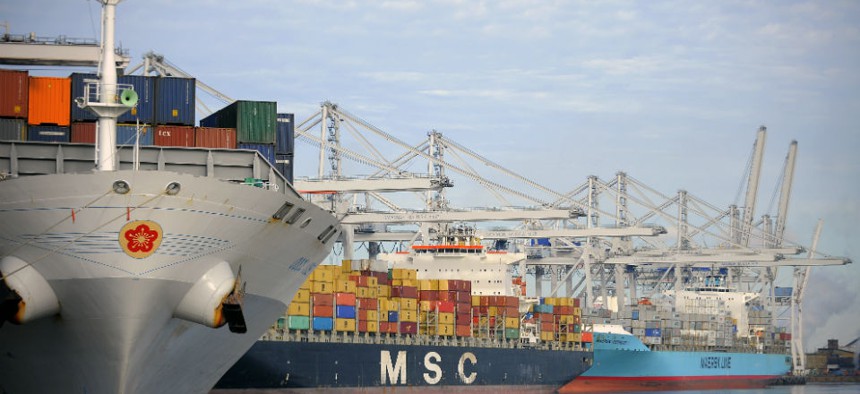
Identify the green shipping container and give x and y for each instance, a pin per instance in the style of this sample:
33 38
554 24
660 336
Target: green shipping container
512 333
255 121
280 324
299 322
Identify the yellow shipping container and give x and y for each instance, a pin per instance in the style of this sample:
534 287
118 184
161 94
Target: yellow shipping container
396 282
303 295
322 275
575 337
411 275
446 318
388 305
344 286
397 274
347 325
407 304
372 292
322 288
476 300
409 282
373 315
493 310
445 329
428 285
547 336
362 292
306 285
372 281
299 309
346 265
424 306
512 322
372 326
409 316
577 311
383 291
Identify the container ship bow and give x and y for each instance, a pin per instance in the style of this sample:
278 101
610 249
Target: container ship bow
140 281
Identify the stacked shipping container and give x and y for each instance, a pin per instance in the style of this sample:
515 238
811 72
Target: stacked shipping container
254 122
342 300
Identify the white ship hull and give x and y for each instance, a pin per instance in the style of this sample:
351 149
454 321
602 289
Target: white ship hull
118 328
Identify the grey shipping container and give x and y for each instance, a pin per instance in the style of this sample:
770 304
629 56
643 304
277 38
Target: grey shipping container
13 129
48 133
254 121
144 86
286 134
174 101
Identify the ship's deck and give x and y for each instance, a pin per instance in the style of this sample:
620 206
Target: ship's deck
28 158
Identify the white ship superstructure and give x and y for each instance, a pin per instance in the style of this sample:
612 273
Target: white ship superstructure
142 281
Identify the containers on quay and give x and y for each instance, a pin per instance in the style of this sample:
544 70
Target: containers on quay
143 111
13 129
174 101
14 93
49 101
254 121
48 133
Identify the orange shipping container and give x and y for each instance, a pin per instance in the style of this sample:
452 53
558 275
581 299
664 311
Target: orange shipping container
49 101
345 299
464 330
215 137
323 311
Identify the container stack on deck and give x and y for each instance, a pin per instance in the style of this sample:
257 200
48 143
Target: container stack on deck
14 101
254 122
338 299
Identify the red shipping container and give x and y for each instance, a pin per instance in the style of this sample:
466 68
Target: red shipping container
49 101
464 307
463 330
215 137
84 132
547 326
427 295
368 303
480 310
347 299
445 306
576 303
408 328
511 301
511 311
174 136
587 337
322 299
323 311
461 319
362 326
14 93
404 291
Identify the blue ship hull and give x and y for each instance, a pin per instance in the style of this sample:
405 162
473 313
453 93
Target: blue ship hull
351 367
622 363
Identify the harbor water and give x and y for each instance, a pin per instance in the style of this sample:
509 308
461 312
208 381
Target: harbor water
813 388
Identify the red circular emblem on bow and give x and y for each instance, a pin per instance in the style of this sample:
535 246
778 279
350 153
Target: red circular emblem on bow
140 238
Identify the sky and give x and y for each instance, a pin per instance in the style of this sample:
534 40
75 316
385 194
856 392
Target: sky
671 92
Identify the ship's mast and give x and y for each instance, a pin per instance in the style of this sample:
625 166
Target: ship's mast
107 105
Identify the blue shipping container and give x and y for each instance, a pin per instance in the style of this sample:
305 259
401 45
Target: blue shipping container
125 134
543 308
144 87
345 312
284 165
174 101
392 317
285 137
653 332
635 314
48 133
322 323
266 150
